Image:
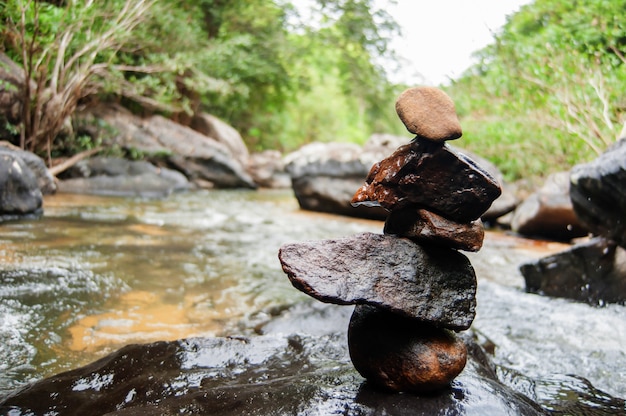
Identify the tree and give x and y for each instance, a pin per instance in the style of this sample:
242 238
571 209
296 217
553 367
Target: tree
63 51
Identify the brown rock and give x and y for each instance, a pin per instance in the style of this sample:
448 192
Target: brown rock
429 112
402 354
431 175
422 225
434 284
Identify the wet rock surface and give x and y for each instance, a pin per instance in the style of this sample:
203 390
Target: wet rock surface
598 192
433 176
594 272
388 272
271 374
403 354
422 225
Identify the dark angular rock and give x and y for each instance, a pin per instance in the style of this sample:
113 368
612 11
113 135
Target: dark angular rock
432 284
593 272
402 354
433 176
20 196
429 112
548 212
422 225
598 193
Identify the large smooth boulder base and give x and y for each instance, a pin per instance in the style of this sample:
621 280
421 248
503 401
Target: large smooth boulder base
433 176
432 284
598 193
402 354
421 225
429 112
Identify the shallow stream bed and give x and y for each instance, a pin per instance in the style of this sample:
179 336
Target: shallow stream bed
97 273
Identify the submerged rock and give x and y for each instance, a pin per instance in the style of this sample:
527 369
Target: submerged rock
433 176
432 284
403 354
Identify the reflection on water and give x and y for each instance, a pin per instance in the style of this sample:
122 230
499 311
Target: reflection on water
98 273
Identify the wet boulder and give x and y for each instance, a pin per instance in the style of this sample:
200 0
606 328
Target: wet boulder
20 195
403 354
431 175
598 193
270 374
549 212
594 272
121 177
389 272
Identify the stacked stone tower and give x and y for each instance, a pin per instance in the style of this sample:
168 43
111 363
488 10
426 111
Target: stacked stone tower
411 286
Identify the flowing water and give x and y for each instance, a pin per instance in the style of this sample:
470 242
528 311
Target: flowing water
96 273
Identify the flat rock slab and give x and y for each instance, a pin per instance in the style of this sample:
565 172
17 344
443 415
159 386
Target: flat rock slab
434 284
432 176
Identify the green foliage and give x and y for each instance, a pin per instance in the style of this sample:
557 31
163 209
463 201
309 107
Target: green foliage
279 80
549 92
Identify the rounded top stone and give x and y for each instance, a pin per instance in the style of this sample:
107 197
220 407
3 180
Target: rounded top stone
429 112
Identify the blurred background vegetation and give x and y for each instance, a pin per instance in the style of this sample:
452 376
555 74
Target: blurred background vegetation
548 93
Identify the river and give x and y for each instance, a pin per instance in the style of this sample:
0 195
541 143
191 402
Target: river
97 273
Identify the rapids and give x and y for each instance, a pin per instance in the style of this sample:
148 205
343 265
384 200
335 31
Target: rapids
97 273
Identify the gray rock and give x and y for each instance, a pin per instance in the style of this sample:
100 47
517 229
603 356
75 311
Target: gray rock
121 177
594 272
45 180
223 133
197 156
431 284
268 169
20 196
332 195
548 212
598 193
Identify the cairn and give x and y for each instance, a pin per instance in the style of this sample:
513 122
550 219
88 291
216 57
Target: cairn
411 286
